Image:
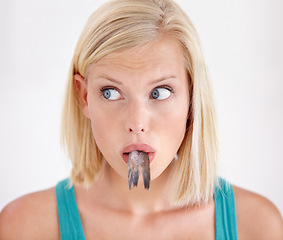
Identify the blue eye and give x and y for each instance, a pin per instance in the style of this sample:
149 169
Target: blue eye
110 94
161 93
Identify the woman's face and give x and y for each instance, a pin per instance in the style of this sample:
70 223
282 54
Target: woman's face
138 99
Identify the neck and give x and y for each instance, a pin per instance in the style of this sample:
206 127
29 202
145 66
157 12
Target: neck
111 190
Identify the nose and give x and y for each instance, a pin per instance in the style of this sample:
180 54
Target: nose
136 118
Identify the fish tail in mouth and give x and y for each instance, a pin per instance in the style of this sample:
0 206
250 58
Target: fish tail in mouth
137 161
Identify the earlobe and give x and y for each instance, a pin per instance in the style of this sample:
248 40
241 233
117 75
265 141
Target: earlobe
81 87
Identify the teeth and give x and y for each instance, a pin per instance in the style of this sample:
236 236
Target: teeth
137 161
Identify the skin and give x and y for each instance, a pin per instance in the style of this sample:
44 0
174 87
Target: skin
108 208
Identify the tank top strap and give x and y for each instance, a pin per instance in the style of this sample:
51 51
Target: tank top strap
225 211
69 218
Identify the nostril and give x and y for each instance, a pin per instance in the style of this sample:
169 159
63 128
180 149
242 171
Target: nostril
136 130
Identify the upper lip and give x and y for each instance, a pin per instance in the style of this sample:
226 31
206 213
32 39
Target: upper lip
137 147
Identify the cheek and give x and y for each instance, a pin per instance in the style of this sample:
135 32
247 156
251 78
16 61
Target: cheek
175 127
173 119
102 123
170 129
174 130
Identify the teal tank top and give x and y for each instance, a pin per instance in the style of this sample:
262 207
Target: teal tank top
71 227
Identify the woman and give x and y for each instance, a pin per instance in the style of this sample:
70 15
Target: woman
139 99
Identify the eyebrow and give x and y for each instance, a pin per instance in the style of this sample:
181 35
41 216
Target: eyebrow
111 79
164 78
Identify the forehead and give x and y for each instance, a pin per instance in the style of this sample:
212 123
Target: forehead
163 53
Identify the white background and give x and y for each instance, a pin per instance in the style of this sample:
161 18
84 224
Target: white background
242 41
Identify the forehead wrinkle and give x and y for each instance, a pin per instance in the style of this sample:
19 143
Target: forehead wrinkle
131 62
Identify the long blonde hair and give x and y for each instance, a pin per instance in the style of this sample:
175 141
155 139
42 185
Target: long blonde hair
122 24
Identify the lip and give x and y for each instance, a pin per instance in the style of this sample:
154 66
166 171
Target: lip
138 147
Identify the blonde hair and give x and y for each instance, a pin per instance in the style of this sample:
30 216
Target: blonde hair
122 24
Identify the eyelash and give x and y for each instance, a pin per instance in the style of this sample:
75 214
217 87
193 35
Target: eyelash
165 87
108 88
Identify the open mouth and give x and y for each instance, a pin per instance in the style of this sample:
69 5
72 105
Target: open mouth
138 147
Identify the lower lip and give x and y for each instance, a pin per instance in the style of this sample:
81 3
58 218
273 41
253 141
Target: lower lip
151 156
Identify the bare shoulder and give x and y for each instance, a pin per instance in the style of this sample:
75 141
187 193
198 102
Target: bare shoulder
33 216
257 217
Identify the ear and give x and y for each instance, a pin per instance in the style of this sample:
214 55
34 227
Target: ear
81 87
